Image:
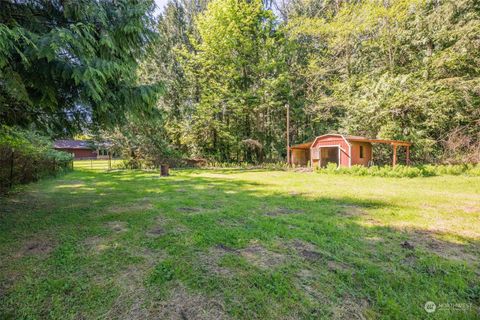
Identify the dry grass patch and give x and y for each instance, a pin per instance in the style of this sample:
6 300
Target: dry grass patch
305 250
36 247
307 282
350 308
117 226
97 244
281 211
351 210
184 305
140 205
134 301
189 209
156 231
445 249
254 254
261 257
211 259
336 266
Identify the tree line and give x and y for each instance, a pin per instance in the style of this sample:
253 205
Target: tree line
211 79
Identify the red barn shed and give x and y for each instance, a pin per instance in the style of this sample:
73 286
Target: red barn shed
79 148
343 150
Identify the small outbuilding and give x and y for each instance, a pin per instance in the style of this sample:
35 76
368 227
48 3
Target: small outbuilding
343 150
78 148
83 149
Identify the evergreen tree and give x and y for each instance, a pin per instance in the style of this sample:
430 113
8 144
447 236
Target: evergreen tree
64 64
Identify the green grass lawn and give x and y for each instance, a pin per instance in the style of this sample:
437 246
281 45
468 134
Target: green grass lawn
217 244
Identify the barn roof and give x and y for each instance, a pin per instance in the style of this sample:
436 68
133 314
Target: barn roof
307 145
72 144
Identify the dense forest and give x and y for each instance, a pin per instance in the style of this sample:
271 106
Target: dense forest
406 70
213 79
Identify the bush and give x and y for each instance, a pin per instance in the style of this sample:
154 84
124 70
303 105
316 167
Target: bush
401 171
26 156
246 165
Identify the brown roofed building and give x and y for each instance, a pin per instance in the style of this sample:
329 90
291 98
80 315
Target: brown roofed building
343 150
79 148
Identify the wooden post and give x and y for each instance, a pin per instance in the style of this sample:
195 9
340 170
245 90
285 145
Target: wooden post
394 162
288 134
408 155
11 168
109 160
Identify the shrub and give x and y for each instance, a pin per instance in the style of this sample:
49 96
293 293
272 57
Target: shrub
26 156
246 165
401 171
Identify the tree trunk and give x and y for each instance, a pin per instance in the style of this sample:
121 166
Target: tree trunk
164 170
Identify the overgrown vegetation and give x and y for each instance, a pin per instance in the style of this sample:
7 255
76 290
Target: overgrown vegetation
403 70
237 244
401 171
26 156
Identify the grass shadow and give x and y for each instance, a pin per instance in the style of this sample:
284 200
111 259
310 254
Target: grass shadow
226 247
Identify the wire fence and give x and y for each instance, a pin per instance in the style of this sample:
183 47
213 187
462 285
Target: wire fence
97 164
17 167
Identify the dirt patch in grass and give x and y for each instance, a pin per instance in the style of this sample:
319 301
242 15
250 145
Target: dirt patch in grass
189 209
374 240
184 305
140 205
410 259
36 247
254 254
282 211
306 282
96 244
211 259
407 245
261 257
444 249
306 250
351 210
117 226
231 222
134 301
336 266
156 232
309 252
350 308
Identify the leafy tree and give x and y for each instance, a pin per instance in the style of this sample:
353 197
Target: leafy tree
402 69
67 63
405 69
240 80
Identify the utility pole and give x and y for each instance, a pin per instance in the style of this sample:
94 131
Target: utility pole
288 133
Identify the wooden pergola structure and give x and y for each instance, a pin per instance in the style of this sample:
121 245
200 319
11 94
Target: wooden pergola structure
394 143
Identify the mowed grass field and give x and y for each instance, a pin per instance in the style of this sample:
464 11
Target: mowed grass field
232 244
